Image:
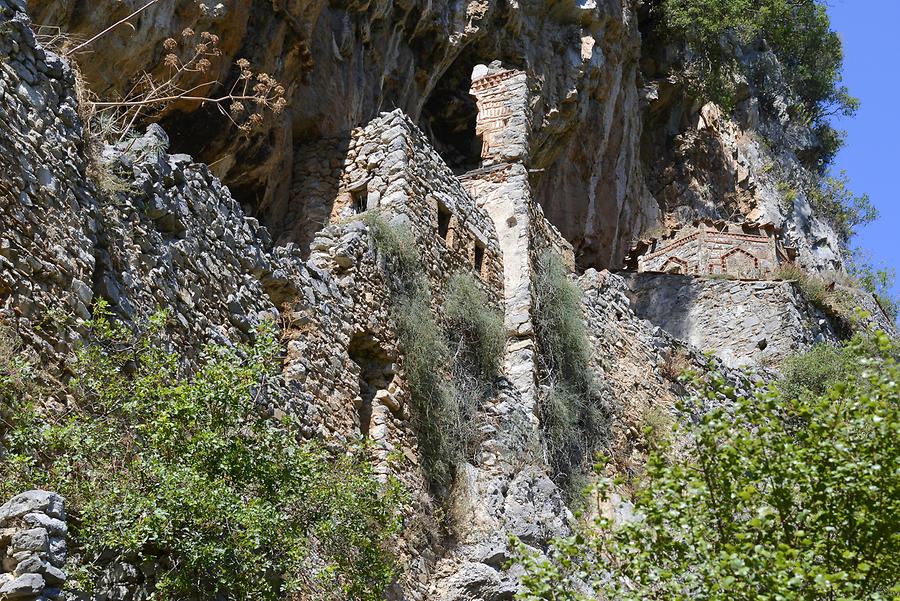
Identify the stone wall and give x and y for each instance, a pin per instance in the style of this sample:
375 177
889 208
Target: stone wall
136 227
391 169
316 174
639 364
524 234
32 546
744 323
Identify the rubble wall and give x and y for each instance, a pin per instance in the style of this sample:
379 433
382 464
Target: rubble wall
32 546
745 323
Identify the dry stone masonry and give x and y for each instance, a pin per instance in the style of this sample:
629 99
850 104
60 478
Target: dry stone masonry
32 546
743 322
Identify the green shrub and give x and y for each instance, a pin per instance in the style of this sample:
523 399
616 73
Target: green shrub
476 330
784 497
450 368
17 380
876 281
825 365
833 200
798 31
187 471
788 194
656 426
574 418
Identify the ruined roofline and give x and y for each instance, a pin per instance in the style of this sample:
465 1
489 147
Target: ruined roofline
641 246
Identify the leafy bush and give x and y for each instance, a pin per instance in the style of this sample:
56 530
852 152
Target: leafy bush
470 345
827 364
877 281
844 210
798 31
476 330
785 497
814 371
573 417
16 380
187 471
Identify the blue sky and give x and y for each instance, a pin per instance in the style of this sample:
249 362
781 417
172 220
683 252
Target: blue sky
869 32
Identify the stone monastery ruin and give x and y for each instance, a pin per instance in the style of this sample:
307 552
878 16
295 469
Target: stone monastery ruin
176 237
707 247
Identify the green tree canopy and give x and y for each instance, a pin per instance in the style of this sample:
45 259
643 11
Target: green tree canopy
785 496
188 472
798 31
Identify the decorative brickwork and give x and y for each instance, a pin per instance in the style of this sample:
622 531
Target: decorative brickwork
743 250
504 114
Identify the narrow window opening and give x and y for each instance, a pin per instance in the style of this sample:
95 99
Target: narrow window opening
443 220
360 200
479 256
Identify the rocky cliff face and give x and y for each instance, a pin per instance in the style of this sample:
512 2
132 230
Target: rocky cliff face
566 140
616 147
343 62
751 163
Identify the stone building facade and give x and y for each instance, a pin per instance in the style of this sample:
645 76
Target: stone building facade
706 247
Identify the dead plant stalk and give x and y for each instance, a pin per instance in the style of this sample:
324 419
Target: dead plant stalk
110 28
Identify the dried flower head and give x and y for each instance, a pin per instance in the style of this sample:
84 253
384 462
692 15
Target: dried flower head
279 90
213 39
243 63
279 105
203 65
187 33
236 109
255 120
170 44
202 48
171 61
